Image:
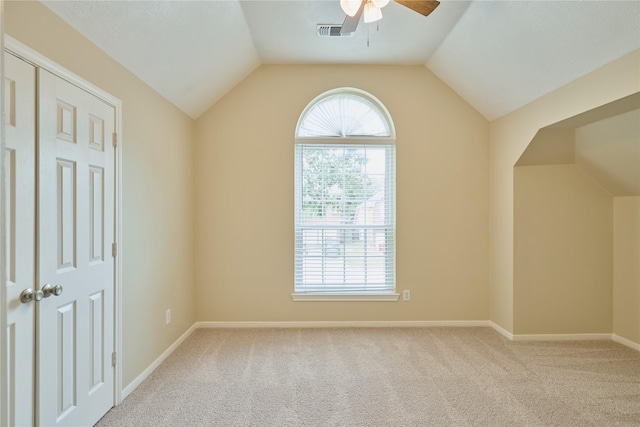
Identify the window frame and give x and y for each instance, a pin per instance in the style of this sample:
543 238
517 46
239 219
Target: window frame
388 295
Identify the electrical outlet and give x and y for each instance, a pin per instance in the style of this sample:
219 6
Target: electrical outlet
406 295
167 317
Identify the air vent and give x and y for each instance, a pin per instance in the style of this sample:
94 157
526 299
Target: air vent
331 30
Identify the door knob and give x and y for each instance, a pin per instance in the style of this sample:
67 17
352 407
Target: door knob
48 290
29 295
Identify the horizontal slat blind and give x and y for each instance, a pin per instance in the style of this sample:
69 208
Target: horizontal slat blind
345 228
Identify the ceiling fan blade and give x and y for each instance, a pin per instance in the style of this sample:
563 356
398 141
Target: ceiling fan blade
351 22
423 7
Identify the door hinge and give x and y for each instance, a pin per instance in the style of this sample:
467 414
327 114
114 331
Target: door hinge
114 250
114 139
114 358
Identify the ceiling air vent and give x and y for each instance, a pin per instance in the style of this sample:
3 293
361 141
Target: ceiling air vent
331 30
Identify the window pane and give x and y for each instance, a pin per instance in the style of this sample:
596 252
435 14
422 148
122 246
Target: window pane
345 218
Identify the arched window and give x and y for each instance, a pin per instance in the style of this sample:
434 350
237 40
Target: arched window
342 114
345 224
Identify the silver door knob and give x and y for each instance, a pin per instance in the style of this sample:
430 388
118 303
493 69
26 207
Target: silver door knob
48 290
29 295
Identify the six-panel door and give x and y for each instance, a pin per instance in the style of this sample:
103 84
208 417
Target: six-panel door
75 376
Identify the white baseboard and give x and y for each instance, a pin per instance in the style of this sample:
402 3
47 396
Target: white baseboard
143 376
501 331
566 337
551 337
624 341
562 337
346 324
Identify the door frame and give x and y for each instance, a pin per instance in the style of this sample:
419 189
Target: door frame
4 388
31 56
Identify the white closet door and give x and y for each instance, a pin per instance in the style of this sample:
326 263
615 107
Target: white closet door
75 376
20 126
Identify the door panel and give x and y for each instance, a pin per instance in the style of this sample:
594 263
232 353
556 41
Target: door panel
75 376
20 142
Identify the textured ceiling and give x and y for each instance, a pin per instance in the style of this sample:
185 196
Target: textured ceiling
498 55
191 52
402 37
504 54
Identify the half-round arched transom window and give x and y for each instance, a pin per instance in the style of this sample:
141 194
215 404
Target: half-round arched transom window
345 198
344 113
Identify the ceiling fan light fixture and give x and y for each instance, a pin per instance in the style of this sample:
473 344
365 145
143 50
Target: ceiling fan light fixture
372 13
380 3
350 7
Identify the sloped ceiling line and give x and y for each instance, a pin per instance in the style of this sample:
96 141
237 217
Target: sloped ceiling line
497 55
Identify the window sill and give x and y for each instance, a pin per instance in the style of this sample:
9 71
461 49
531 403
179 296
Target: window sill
344 297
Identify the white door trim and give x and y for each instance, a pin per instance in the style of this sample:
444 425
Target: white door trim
4 414
14 46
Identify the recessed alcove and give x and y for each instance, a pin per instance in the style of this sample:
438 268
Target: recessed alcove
577 225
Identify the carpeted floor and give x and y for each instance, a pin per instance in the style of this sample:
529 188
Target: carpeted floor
385 377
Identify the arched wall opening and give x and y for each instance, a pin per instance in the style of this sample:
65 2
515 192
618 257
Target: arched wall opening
577 226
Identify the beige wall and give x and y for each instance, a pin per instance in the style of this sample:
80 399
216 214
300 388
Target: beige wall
609 151
509 137
550 147
243 156
244 197
626 268
157 247
563 263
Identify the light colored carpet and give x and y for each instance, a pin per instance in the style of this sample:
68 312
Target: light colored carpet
385 377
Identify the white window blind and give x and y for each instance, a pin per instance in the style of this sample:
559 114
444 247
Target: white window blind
345 218
345 204
343 115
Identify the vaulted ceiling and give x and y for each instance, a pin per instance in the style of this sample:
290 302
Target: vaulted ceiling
497 55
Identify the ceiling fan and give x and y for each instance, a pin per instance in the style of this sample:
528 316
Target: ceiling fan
372 10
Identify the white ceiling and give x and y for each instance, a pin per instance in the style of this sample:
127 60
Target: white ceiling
498 55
